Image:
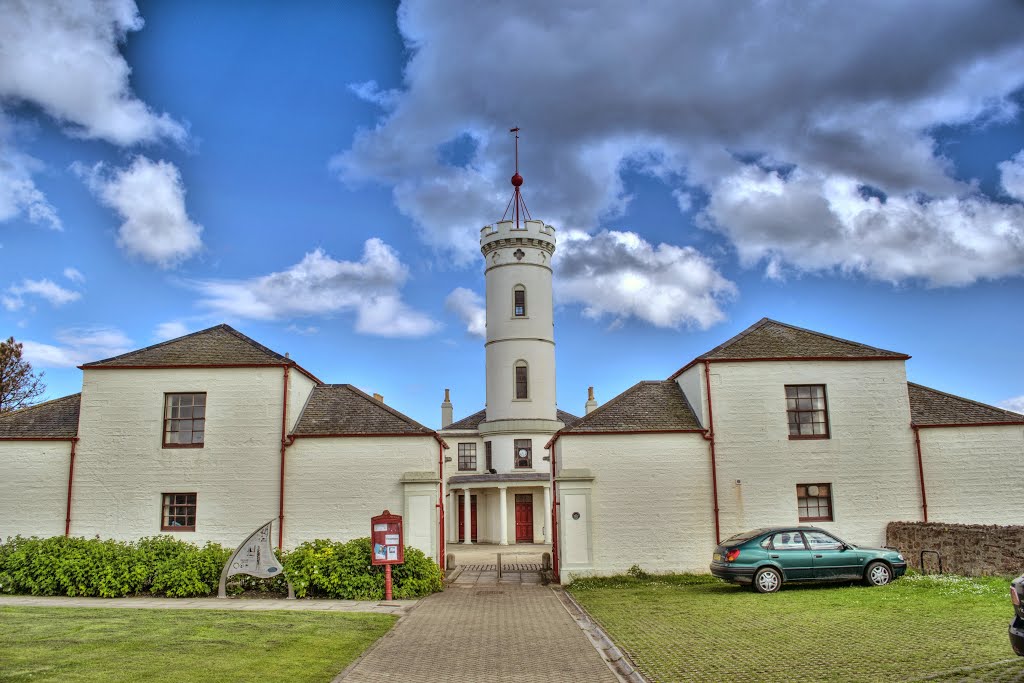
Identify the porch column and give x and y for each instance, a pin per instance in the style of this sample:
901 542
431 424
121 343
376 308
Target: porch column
467 517
503 514
547 514
453 516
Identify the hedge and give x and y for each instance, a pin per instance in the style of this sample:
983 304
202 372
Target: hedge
167 566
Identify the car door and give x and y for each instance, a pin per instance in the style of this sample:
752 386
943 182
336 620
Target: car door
788 550
832 559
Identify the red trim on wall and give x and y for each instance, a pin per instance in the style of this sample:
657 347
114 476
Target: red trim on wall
555 561
440 506
971 424
920 471
348 435
71 479
710 436
284 445
901 357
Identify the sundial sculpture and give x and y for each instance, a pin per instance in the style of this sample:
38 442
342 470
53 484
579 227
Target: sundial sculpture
255 557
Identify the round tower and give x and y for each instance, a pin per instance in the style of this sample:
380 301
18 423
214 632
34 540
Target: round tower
520 347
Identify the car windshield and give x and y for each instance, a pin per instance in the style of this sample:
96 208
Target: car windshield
745 536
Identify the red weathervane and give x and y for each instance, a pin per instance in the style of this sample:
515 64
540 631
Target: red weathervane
517 181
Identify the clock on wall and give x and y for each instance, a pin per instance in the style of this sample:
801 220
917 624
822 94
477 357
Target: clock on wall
523 452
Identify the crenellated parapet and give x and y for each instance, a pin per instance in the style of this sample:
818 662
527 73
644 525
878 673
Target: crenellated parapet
504 234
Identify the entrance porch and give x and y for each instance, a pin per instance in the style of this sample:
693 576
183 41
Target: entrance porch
502 510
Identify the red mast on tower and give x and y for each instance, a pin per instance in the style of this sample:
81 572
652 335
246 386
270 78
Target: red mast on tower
517 181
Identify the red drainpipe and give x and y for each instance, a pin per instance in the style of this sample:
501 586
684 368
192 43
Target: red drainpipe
556 576
440 503
71 479
284 445
710 436
920 470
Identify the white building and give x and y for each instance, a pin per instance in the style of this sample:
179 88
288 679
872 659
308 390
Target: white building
210 435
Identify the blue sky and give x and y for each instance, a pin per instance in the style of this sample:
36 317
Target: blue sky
315 174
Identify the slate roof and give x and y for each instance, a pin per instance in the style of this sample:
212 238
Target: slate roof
220 345
645 407
770 339
343 409
473 421
53 419
934 407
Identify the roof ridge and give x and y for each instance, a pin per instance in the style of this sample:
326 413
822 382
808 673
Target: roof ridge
20 411
463 419
968 400
612 401
385 406
222 326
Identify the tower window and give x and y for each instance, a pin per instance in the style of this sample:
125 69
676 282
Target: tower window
519 301
524 453
522 385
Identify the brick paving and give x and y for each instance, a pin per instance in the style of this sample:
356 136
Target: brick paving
482 628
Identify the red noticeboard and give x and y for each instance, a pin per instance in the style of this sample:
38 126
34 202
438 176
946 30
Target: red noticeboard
387 545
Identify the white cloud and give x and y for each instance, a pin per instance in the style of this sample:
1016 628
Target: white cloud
304 330
715 85
1012 173
64 57
171 329
1014 404
45 289
621 275
815 222
74 275
18 193
319 285
77 346
469 307
150 198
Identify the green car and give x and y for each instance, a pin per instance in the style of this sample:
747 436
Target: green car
767 558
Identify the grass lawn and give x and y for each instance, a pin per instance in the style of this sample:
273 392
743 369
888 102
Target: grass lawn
71 644
697 628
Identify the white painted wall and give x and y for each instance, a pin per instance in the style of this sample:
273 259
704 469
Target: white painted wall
33 487
870 459
299 389
122 469
692 384
650 503
969 474
335 485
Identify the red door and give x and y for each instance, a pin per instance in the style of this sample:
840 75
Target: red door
524 518
462 517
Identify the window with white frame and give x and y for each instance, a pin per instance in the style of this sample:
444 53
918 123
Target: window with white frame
467 457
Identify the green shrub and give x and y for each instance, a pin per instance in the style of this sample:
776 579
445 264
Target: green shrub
93 567
164 565
323 568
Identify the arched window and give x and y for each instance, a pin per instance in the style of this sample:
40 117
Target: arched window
522 383
519 301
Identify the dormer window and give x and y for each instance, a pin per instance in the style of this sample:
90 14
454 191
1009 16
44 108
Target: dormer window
522 383
519 301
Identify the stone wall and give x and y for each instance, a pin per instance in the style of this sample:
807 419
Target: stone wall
968 549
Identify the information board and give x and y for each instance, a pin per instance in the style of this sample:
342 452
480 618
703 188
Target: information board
386 539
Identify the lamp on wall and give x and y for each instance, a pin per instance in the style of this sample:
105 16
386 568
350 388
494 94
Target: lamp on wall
546 458
447 458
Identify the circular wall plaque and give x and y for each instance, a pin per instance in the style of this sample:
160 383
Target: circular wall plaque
575 515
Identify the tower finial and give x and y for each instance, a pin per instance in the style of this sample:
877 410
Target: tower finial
517 181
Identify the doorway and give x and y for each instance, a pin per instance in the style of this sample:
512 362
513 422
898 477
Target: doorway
524 518
462 518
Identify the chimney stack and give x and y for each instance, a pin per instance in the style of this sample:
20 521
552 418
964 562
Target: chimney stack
379 397
591 403
446 409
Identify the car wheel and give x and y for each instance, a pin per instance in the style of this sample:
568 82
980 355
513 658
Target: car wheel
877 574
767 580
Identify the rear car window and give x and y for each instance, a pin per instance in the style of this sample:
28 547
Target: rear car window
745 536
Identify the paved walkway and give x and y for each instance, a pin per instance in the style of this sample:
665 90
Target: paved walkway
397 607
482 628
